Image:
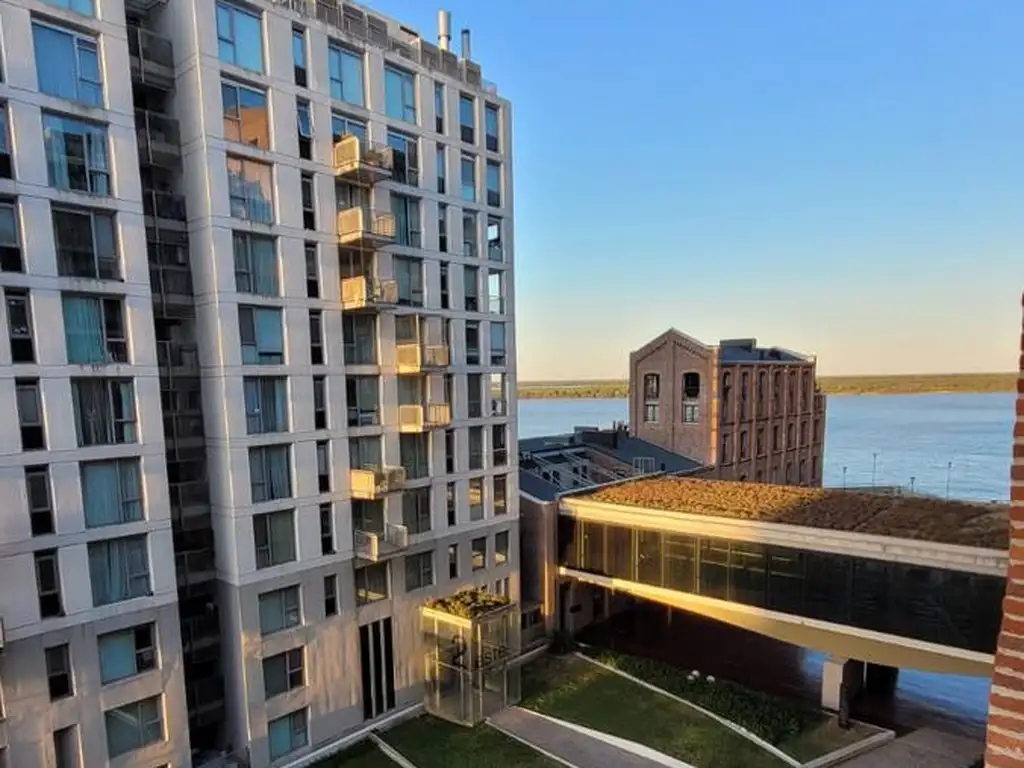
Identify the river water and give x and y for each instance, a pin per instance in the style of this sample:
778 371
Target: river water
958 445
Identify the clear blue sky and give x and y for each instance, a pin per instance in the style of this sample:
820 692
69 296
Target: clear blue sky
703 163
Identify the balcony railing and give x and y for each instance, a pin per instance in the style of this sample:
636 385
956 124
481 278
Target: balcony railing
368 293
183 357
163 205
362 227
371 483
168 280
376 546
413 357
359 161
151 58
418 418
158 137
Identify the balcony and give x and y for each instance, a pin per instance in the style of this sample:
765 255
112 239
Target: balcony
413 357
177 358
159 139
377 546
143 6
368 293
371 483
151 58
163 205
360 162
419 418
364 228
166 281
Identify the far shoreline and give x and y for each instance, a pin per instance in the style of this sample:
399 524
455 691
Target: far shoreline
842 386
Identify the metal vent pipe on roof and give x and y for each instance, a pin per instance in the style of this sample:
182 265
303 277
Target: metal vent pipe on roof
466 54
444 29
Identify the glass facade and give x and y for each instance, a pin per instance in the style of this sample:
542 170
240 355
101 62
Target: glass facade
942 606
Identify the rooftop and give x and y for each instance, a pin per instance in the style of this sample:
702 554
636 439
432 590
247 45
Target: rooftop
747 351
909 517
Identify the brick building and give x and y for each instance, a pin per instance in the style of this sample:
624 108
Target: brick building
1006 706
755 413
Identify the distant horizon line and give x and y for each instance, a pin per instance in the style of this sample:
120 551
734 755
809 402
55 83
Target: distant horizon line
622 379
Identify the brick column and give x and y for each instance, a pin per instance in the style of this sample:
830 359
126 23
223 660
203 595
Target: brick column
1006 706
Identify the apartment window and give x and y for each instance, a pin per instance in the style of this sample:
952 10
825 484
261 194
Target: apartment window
240 36
283 672
19 325
409 276
40 500
473 342
119 569
399 94
776 439
371 583
467 119
58 672
67 64
274 538
790 436
342 125
246 117
759 441
501 542
127 653
94 330
30 414
262 335
691 393
499 445
450 504
363 396
76 155
469 235
346 74
266 404
474 395
493 183
111 492
316 338
250 190
10 242
495 252
789 472
491 130
652 387
467 178
406 158
496 292
416 510
439 109
413 453
287 734
299 56
323 465
6 171
500 495
406 211
471 289
330 595
308 188
279 610
312 272
304 128
86 244
453 561
449 451
498 354
359 333
744 445
326 529
48 583
476 498
104 411
476 448
419 571
442 159
270 473
66 749
133 726
442 228
479 547
445 292
319 402
84 7
726 449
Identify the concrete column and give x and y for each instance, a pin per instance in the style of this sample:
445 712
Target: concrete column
837 672
881 679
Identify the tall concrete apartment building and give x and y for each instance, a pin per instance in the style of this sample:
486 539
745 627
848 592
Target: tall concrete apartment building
257 275
754 413
1005 748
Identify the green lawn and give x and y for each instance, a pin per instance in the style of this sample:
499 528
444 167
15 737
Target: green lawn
580 692
432 743
363 755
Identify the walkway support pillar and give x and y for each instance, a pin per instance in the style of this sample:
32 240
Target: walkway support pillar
881 679
840 677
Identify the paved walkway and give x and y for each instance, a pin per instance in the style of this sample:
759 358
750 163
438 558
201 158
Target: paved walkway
925 748
575 748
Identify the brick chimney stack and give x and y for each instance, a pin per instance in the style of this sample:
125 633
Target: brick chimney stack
1006 706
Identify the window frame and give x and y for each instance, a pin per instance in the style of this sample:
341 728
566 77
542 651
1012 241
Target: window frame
145 658
419 570
479 556
144 723
262 454
247 201
262 357
99 177
60 681
81 43
105 267
235 122
115 347
495 110
290 598
24 386
294 664
41 474
467 131
119 429
407 83
20 339
233 9
337 52
300 46
50 558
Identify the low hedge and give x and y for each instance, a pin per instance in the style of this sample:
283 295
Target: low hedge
772 718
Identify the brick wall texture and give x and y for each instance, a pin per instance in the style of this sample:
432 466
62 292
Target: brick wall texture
1006 706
